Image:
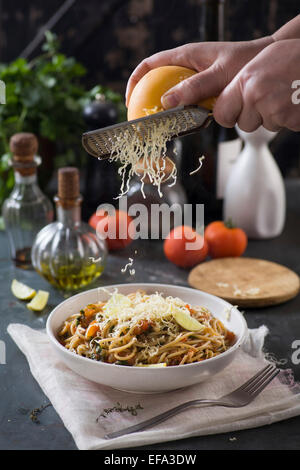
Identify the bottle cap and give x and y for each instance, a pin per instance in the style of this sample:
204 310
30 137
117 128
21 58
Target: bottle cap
24 147
68 186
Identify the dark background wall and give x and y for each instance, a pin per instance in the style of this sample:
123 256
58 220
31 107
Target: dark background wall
110 37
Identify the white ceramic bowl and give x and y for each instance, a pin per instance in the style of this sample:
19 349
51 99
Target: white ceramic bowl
148 380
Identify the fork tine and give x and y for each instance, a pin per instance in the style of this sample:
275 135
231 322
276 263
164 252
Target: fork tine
263 385
259 380
255 377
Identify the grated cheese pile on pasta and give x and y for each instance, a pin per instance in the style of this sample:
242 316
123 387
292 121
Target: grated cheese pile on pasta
145 330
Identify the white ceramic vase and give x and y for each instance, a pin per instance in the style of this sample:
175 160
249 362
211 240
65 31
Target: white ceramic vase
255 194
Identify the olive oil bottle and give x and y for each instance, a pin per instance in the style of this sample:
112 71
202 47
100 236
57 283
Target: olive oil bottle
68 253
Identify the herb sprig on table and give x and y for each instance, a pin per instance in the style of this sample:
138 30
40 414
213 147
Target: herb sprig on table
38 411
33 414
133 410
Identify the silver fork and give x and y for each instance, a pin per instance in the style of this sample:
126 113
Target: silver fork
242 396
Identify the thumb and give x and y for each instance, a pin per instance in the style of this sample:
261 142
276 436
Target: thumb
193 90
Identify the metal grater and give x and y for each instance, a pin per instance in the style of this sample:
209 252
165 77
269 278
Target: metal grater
188 119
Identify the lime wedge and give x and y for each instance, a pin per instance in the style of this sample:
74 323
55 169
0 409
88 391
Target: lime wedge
187 322
21 291
39 302
154 366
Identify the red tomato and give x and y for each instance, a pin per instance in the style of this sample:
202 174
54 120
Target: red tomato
117 229
185 247
225 240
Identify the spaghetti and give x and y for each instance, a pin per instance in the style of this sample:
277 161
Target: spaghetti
145 330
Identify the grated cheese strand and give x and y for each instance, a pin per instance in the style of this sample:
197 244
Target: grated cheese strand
201 159
132 148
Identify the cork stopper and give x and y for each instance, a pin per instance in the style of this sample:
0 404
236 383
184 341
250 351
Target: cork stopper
24 147
68 187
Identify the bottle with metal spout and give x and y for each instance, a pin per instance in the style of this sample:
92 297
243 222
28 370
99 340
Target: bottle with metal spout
68 253
27 209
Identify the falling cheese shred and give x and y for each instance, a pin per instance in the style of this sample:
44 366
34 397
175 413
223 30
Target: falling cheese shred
144 148
128 265
201 159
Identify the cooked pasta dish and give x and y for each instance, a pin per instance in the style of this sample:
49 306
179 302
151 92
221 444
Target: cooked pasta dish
146 330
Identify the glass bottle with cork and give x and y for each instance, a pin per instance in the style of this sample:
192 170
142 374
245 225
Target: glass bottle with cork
68 253
27 209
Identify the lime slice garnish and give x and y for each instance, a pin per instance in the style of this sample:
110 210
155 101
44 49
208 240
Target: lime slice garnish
187 322
21 291
39 302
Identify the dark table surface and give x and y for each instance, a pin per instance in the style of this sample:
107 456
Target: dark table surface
20 393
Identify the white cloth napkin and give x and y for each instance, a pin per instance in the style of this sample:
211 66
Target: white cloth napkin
87 409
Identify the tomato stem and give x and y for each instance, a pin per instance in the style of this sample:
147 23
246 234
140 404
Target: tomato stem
229 224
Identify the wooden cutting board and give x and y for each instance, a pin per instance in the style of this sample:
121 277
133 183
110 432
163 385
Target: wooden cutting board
246 282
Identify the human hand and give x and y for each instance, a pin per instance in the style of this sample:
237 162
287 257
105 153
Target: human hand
261 93
216 62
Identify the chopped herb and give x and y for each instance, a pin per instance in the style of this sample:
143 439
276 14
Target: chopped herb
95 357
78 319
133 410
98 348
99 354
121 363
